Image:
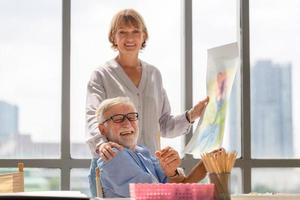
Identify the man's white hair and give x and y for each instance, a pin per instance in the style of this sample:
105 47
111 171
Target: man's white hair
108 103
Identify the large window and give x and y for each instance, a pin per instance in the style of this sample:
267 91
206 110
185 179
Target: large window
49 49
274 79
30 79
275 97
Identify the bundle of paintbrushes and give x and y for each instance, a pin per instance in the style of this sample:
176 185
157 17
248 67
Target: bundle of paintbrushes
219 161
219 164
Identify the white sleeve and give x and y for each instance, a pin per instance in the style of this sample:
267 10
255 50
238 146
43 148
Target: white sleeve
172 126
95 95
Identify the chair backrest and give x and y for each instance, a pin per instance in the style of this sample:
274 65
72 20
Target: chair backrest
13 182
98 184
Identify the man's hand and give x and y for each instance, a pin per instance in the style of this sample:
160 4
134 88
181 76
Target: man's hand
217 151
105 150
169 160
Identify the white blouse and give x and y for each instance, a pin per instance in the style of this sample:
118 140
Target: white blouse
149 97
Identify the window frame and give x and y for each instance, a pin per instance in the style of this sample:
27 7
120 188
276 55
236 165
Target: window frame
65 163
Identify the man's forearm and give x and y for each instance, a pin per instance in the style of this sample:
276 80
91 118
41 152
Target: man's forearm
197 173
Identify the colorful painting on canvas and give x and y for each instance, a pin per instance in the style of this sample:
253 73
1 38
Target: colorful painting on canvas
222 64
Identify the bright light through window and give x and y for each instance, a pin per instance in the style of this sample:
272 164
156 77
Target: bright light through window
275 68
30 78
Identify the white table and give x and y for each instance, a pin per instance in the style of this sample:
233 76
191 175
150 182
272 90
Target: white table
266 197
245 197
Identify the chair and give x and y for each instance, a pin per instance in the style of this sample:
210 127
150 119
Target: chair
98 183
13 182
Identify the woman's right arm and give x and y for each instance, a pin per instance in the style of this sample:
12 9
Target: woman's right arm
97 142
95 95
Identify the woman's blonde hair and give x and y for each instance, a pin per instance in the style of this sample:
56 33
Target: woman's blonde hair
128 17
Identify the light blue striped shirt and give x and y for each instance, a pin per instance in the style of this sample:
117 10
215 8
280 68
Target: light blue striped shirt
129 167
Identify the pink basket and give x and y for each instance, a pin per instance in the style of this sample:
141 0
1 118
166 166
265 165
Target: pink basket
172 191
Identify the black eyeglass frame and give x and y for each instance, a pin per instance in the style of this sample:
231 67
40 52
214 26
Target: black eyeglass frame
135 115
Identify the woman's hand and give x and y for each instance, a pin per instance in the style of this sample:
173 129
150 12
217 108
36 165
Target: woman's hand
106 152
198 110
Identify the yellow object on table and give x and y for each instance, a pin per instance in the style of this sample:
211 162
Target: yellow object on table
13 182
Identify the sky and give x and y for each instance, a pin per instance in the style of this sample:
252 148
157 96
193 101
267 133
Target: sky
30 52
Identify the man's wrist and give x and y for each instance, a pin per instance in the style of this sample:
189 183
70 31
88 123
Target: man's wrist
176 173
178 177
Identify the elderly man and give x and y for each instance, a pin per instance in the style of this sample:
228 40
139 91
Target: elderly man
118 121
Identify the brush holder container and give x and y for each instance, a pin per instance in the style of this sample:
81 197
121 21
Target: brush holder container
222 185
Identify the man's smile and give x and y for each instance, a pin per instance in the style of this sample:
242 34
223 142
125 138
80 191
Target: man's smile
126 133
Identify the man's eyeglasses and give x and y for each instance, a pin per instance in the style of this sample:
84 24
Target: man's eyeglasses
119 118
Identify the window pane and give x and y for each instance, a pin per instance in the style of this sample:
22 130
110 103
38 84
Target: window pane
79 181
215 24
30 78
284 180
38 179
91 48
236 181
274 78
